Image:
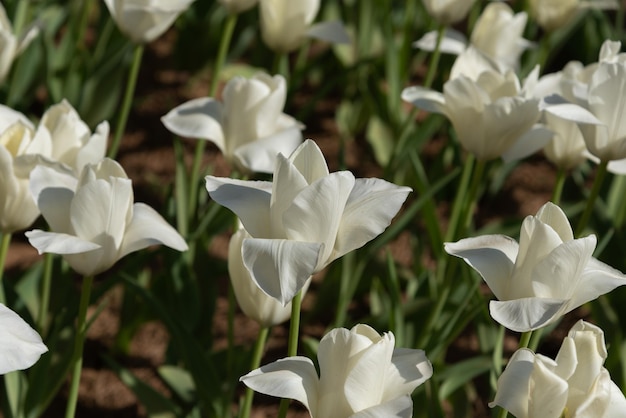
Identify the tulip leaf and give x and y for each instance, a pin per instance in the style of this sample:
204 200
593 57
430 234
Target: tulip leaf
461 373
180 381
380 137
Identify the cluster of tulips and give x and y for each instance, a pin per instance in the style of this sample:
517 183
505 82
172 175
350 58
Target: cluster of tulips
296 217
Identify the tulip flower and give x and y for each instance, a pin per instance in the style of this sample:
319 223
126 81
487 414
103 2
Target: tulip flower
545 276
249 127
10 45
285 24
361 375
93 219
554 14
238 6
574 385
496 42
20 346
597 107
144 21
257 305
448 12
492 116
305 219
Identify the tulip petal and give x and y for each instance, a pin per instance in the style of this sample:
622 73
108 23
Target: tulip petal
260 156
371 206
528 143
199 118
95 149
570 111
549 391
617 402
526 314
249 200
148 227
514 384
315 213
409 369
309 161
58 243
425 99
53 192
400 407
332 31
554 216
597 279
292 378
280 267
452 42
20 345
492 256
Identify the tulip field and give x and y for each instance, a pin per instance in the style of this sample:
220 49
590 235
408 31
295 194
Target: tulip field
294 208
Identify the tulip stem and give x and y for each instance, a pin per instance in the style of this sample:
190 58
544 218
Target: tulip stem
459 199
525 339
558 186
472 197
292 348
281 64
128 100
434 62
4 249
257 354
20 16
591 200
79 342
48 258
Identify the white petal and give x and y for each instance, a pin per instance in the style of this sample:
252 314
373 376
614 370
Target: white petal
315 213
198 118
280 267
309 161
333 32
371 206
528 143
554 216
513 390
95 149
260 156
617 403
452 42
526 314
291 378
57 243
573 112
549 392
597 279
20 345
249 200
53 191
426 99
492 256
401 407
409 368
148 227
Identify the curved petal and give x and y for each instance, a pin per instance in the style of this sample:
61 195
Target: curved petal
260 156
528 143
280 267
526 314
53 191
332 31
452 42
492 256
617 402
513 391
549 392
20 345
148 227
400 407
57 243
426 99
249 200
371 206
315 213
198 118
597 279
554 216
95 148
409 368
292 378
309 161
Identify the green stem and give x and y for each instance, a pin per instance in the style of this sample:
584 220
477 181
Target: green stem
83 23
459 200
281 64
20 16
128 100
434 62
79 342
230 353
48 258
4 249
257 354
472 196
591 200
558 186
292 348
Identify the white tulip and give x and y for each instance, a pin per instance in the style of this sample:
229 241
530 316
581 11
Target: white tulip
20 345
490 115
573 385
545 276
285 24
249 128
305 219
553 14
238 6
255 303
93 219
10 45
145 20
361 375
447 12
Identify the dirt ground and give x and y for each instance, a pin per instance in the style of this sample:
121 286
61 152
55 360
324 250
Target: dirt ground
146 154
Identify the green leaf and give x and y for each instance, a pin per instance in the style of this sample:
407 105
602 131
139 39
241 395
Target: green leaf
180 381
380 137
457 375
